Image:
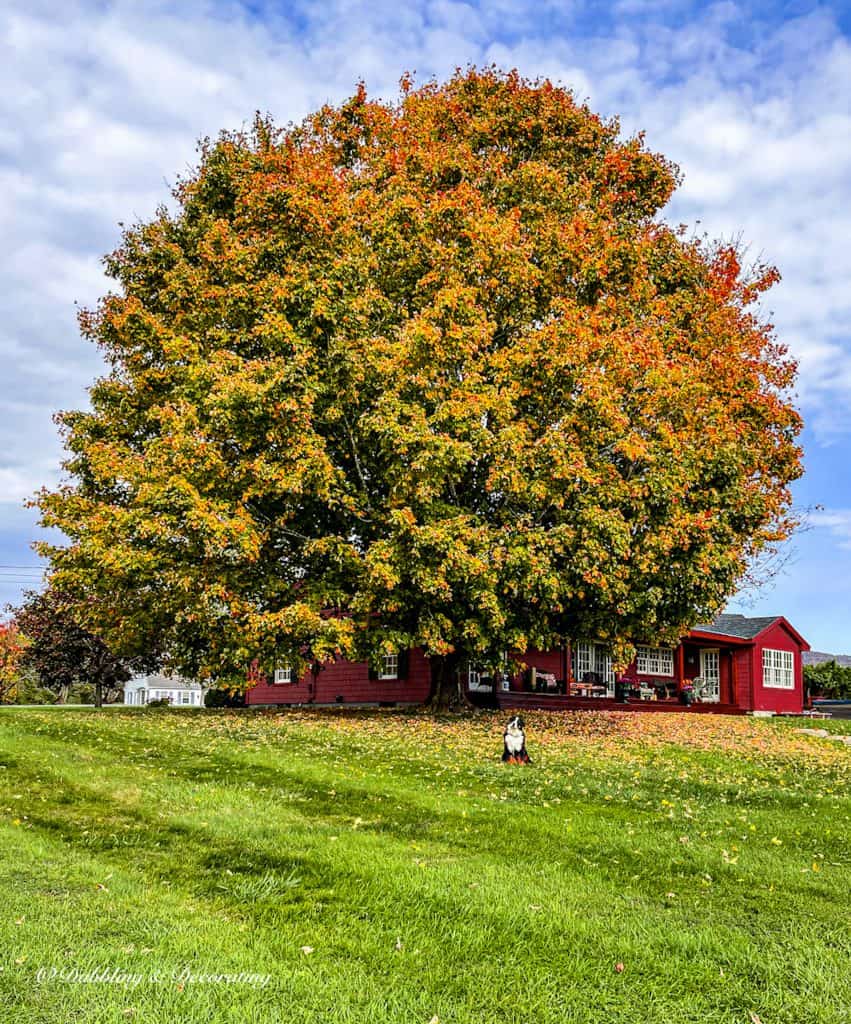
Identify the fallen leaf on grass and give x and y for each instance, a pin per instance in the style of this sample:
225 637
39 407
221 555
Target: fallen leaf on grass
619 968
307 950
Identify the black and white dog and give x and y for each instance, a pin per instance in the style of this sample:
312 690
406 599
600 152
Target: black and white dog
514 740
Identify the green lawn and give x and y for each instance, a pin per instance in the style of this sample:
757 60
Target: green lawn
384 866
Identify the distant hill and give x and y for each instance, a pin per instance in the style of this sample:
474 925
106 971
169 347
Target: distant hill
817 657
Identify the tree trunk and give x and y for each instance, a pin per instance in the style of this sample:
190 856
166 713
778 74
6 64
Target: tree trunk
446 691
315 669
98 694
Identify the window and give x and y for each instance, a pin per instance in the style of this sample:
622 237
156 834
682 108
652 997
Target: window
584 655
389 668
778 669
478 679
184 697
655 661
590 658
283 674
595 658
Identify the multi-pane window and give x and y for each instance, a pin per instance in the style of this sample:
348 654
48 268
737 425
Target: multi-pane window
778 669
479 678
588 657
184 697
594 658
655 661
389 668
283 674
584 655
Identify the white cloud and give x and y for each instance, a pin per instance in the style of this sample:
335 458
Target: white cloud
16 486
837 522
105 104
104 101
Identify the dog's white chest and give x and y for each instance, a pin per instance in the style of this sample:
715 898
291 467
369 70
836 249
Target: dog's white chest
514 742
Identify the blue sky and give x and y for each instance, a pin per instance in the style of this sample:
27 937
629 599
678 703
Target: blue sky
104 101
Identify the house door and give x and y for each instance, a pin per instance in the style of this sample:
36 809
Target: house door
710 674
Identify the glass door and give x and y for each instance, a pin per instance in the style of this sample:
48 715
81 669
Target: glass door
710 674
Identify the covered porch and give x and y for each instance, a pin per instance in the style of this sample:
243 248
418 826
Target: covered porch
517 701
698 674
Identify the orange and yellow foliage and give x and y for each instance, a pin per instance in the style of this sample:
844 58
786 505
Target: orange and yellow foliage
438 363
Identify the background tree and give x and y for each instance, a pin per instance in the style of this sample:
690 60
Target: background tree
828 679
65 654
436 363
11 651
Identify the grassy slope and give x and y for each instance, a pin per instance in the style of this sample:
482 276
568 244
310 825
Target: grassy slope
708 855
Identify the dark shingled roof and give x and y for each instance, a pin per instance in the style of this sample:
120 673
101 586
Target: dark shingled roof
738 625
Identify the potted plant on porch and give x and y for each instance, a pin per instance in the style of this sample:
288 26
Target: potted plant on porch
687 693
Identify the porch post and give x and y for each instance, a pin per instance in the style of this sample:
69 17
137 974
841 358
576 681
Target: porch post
732 683
681 665
568 671
564 666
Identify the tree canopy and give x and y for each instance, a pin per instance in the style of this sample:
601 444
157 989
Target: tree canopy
426 372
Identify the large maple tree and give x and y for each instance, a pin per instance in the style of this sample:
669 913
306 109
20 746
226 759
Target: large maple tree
428 372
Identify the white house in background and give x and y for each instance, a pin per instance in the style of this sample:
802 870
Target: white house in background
140 690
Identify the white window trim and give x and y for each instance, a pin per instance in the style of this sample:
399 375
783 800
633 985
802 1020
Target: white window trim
655 661
283 674
484 680
584 657
389 668
594 657
778 669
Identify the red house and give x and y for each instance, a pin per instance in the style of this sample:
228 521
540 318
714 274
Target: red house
734 664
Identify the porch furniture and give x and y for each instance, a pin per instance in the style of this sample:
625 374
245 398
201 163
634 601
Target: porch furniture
589 689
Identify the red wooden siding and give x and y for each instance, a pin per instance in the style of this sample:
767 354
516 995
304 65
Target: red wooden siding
740 670
543 661
742 676
768 698
349 681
